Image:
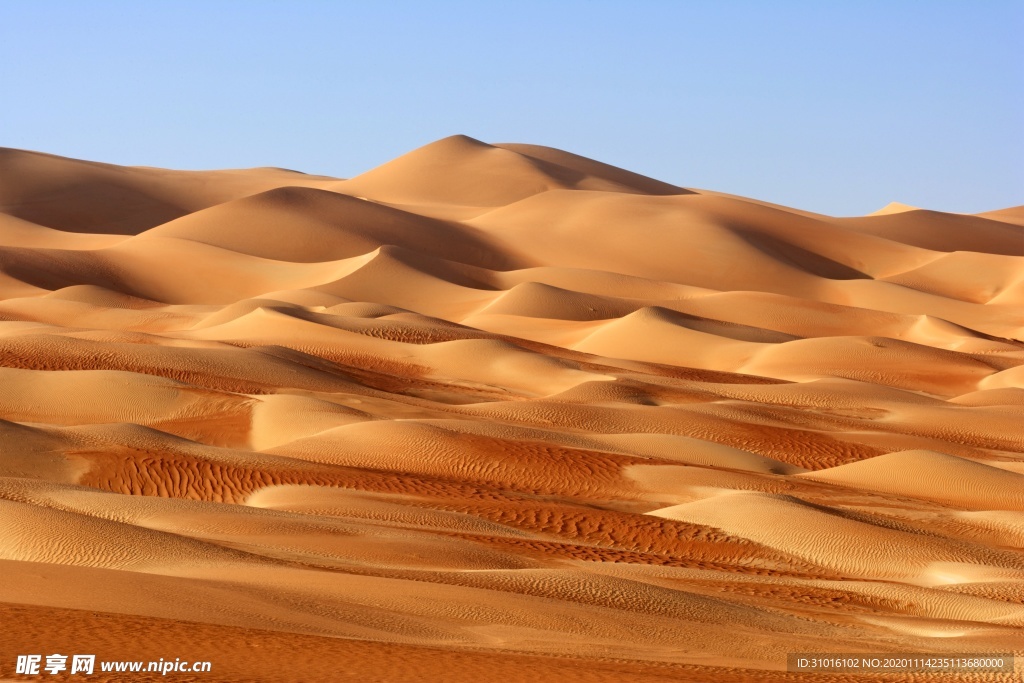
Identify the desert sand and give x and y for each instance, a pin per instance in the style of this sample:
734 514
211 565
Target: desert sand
500 412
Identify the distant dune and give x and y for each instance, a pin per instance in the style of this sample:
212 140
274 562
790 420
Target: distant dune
500 412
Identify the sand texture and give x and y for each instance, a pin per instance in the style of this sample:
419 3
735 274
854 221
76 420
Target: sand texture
500 412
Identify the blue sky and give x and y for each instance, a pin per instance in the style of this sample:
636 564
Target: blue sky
837 107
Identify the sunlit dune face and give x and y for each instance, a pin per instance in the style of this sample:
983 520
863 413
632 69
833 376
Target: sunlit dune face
492 409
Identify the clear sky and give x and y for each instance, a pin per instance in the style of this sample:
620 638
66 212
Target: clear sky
831 106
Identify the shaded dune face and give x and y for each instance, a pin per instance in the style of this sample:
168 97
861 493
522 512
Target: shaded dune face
486 408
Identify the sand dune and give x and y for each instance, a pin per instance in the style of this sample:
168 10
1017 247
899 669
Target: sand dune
951 480
465 172
501 411
939 231
90 197
308 225
852 547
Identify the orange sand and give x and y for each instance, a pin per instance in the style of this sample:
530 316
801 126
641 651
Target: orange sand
500 412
